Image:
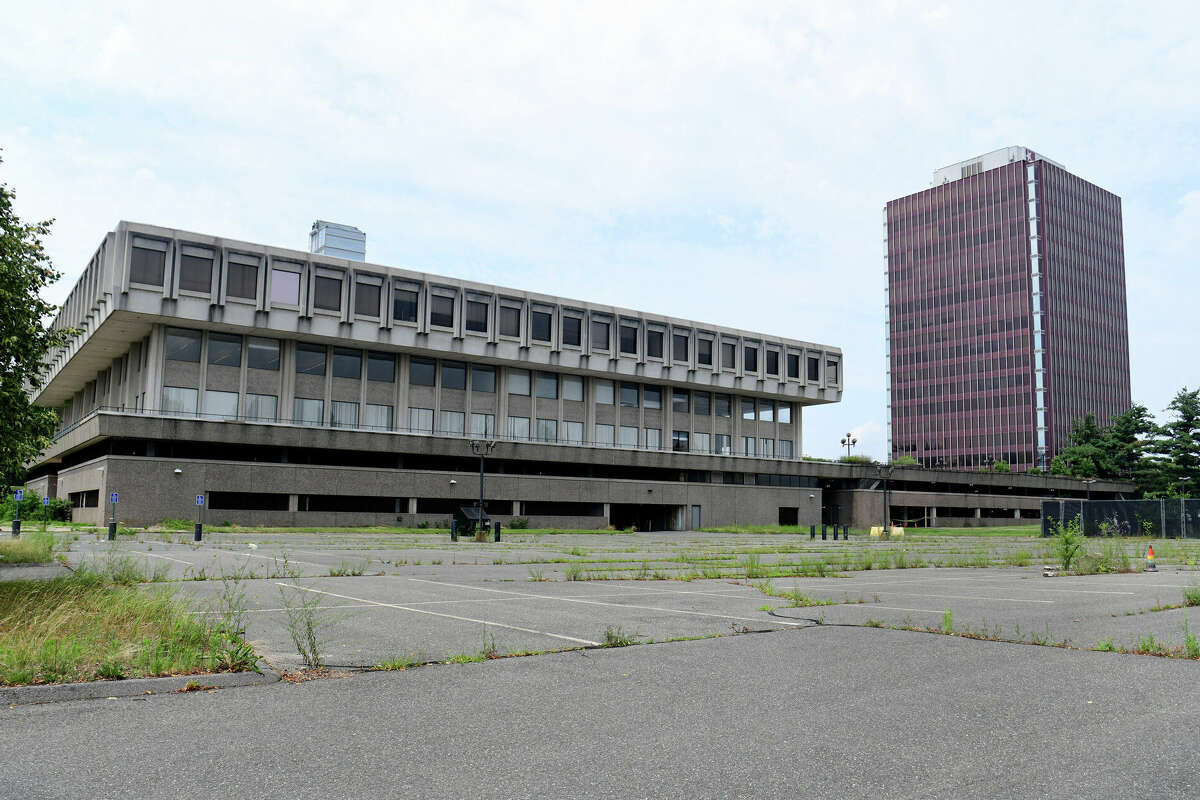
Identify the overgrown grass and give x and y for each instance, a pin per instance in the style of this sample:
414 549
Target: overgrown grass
1191 596
32 548
86 627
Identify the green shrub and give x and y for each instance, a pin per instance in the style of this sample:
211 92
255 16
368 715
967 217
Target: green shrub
32 509
518 523
1068 542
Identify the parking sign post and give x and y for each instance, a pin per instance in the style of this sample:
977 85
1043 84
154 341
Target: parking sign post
199 534
45 514
16 526
112 519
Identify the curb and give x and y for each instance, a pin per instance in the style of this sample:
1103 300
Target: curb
132 687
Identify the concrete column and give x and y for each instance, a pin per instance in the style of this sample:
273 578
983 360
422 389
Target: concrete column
978 513
293 502
412 505
1016 513
607 514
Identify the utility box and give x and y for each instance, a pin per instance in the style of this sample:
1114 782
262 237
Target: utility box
471 520
339 241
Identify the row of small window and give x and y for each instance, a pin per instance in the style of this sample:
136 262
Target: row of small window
264 408
196 275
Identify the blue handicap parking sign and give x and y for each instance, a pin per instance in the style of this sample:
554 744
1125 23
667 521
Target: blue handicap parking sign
45 501
199 499
112 498
19 495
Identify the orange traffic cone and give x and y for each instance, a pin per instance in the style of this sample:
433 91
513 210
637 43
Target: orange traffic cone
1150 559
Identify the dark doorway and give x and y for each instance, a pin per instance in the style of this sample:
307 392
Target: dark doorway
789 515
644 517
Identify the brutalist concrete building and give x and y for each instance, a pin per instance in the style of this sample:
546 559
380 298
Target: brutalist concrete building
292 387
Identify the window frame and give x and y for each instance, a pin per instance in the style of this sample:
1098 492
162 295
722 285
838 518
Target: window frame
191 251
371 282
325 274
288 268
415 290
437 296
243 261
151 246
473 301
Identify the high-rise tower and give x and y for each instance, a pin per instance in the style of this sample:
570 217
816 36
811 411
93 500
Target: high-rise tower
1006 312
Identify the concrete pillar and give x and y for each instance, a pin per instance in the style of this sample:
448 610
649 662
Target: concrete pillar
608 511
978 513
412 505
1016 513
293 502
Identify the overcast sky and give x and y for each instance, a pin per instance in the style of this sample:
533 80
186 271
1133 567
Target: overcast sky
721 162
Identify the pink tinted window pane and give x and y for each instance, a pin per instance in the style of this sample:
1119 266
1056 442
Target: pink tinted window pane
285 287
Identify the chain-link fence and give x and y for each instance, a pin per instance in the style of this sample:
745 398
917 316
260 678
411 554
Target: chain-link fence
1164 519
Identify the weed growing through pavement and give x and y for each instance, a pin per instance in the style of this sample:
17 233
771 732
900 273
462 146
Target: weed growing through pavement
1106 645
574 572
346 569
305 625
948 621
616 637
1191 596
536 575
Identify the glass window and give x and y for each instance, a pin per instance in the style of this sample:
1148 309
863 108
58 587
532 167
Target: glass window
814 369
343 414
652 396
766 411
518 427
147 266
831 372
750 358
477 316
604 434
681 401
704 352
441 311
285 287
310 359
723 404
772 362
179 400
242 281
381 367
347 363
572 387
183 345
225 349
262 353
653 439
262 407
600 335
629 339
766 448
422 371
573 432
454 375
721 444
195 273
420 420
604 393
546 385
378 417
404 305
785 448
308 412
366 299
701 443
572 331
510 321
483 379
679 441
452 423
728 355
785 413
539 326
518 381
547 430
702 403
629 395
748 408
483 425
793 365
629 436
748 446
654 344
327 293
679 350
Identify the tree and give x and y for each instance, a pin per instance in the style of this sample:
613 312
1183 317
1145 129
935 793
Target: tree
1001 466
25 270
1084 457
1181 444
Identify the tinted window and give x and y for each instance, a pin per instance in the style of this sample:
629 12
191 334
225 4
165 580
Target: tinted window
242 281
381 367
146 266
722 405
599 335
477 316
366 299
510 321
701 403
404 305
310 359
652 396
680 400
262 353
814 369
327 293
831 372
347 363
679 441
704 351
793 364
422 371
539 326
572 387
483 379
750 358
285 287
654 344
629 395
225 349
747 408
518 381
628 340
183 345
195 273
679 352
728 355
772 362
454 375
572 331
546 385
441 311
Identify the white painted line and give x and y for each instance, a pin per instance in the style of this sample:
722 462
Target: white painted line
899 608
972 597
615 605
275 559
436 614
264 610
168 558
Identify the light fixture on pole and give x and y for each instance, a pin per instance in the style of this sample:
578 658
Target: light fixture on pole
849 441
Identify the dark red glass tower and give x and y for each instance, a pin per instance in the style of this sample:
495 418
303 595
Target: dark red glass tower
1006 312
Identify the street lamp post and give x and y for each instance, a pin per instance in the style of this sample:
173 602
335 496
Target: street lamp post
849 441
481 448
885 473
1087 485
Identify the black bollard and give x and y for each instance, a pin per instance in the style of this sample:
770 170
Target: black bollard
16 529
198 534
846 532
823 537
812 532
112 531
497 528
454 530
